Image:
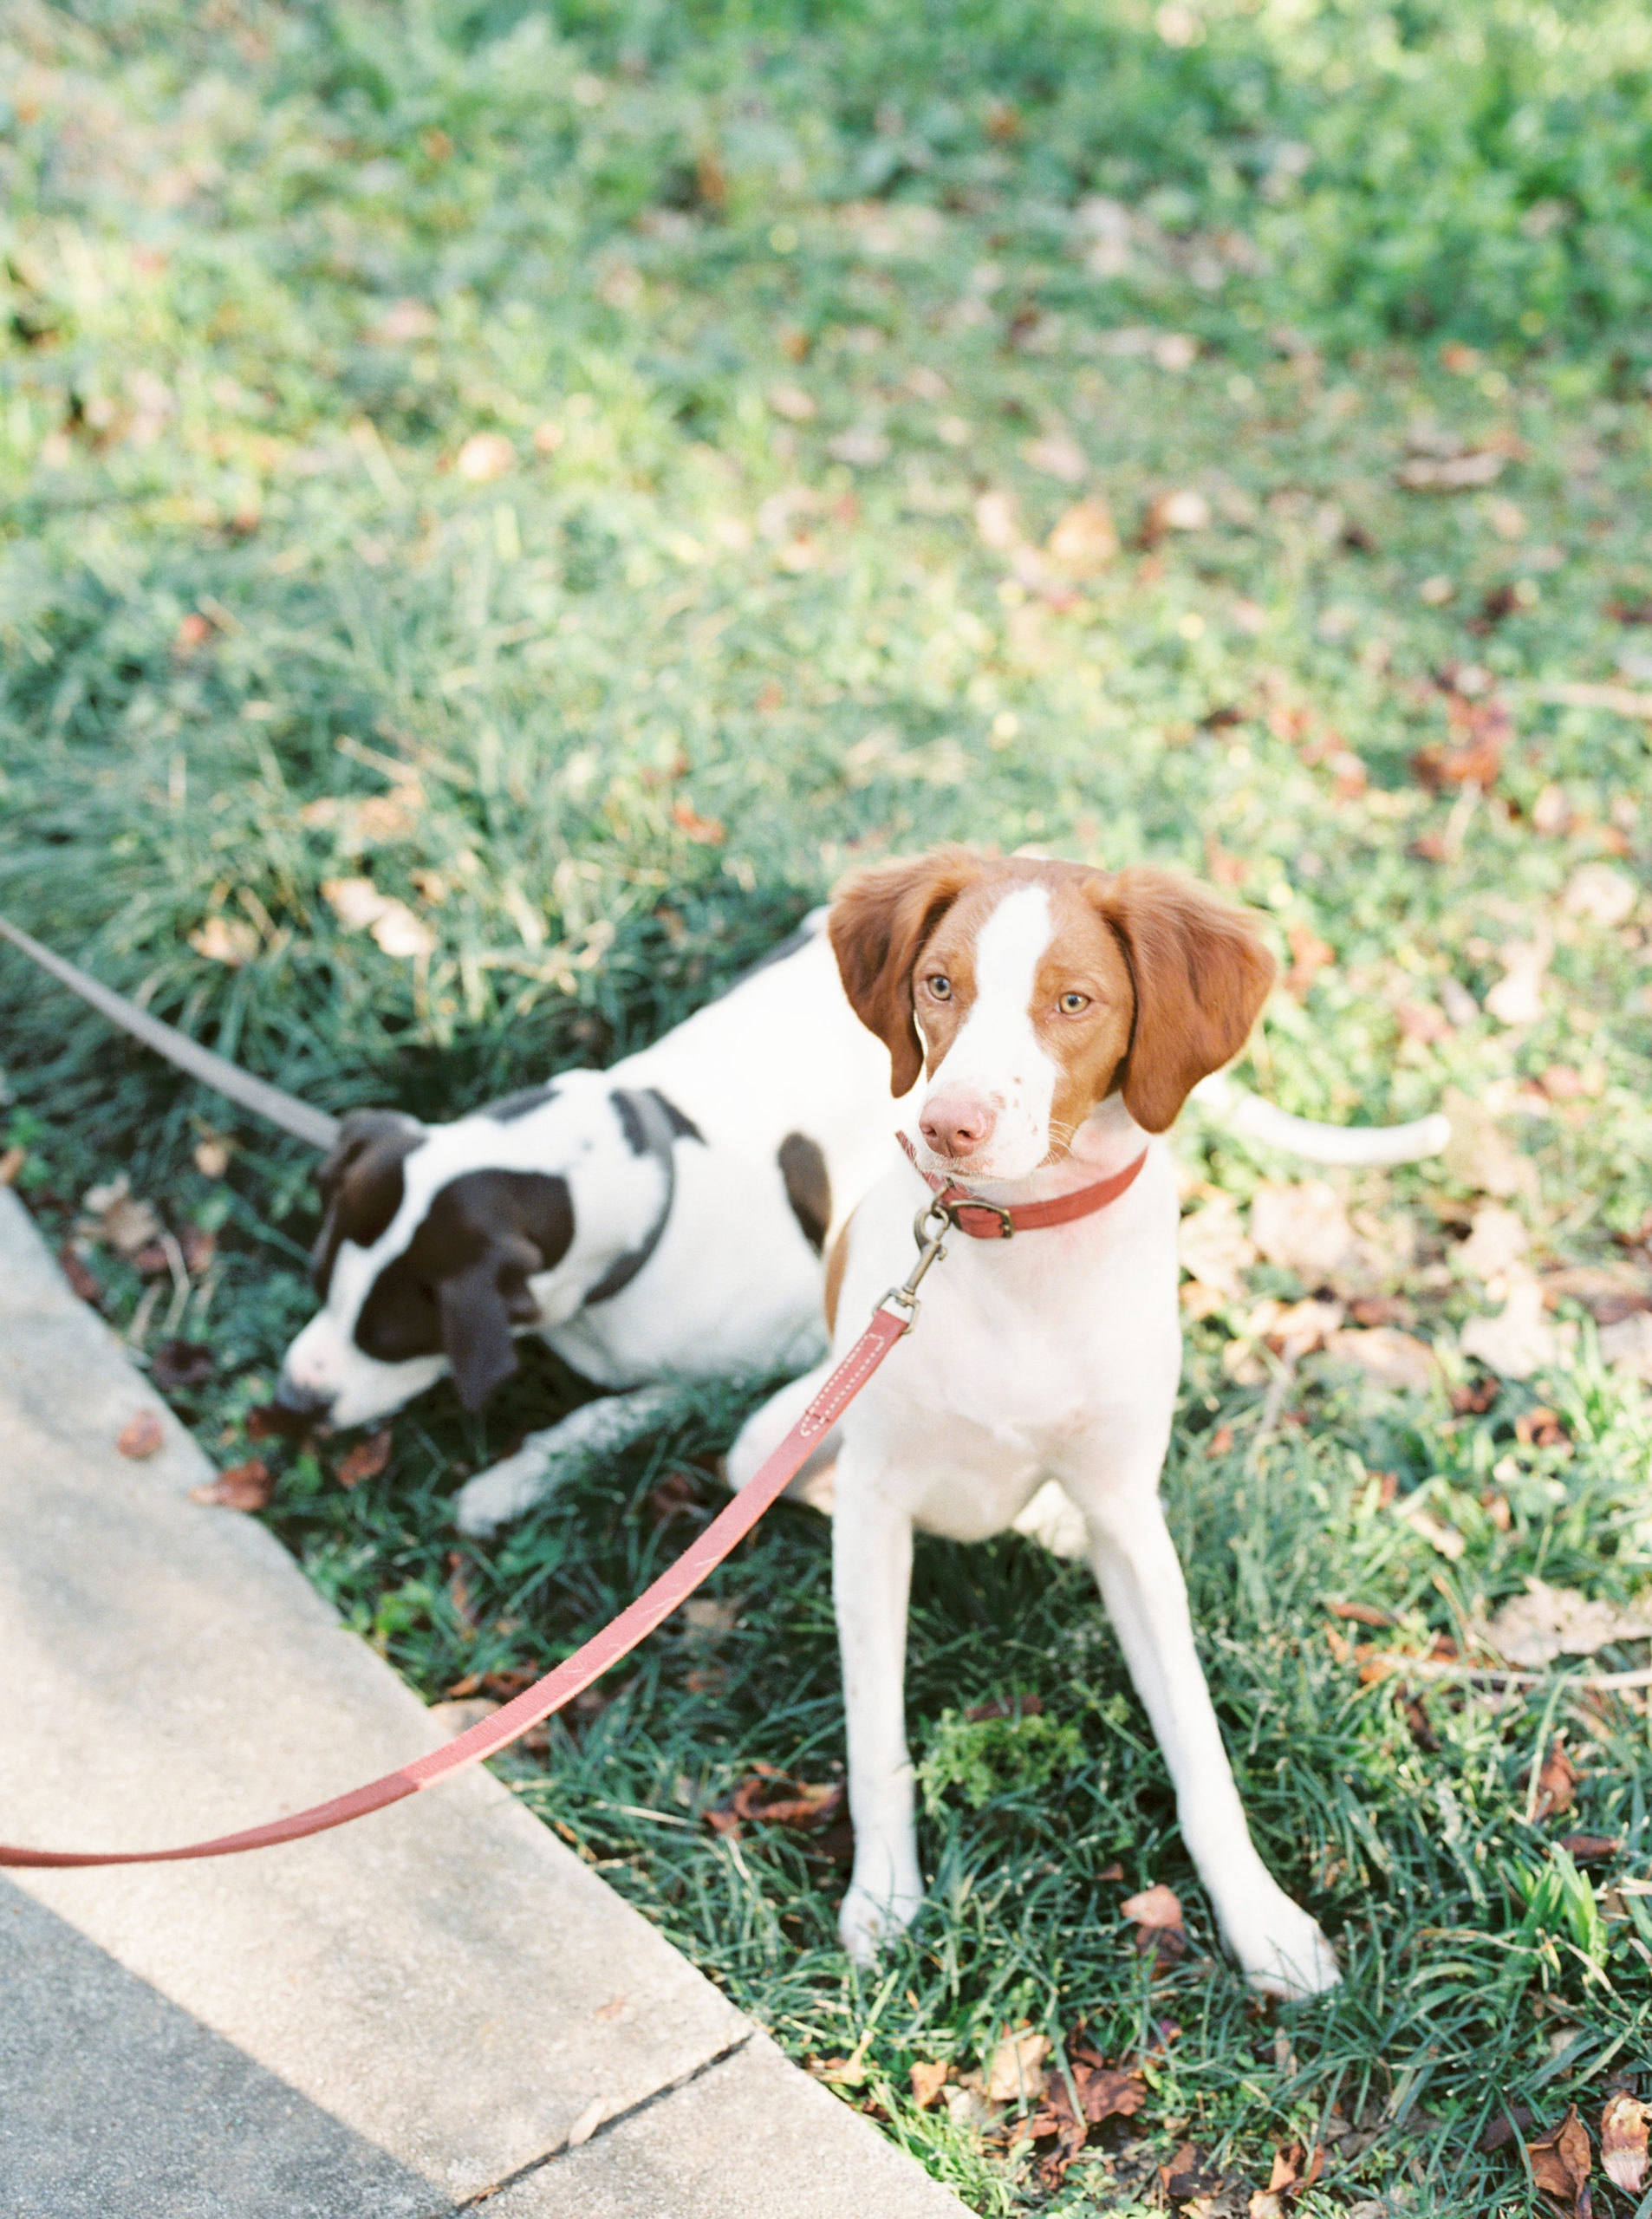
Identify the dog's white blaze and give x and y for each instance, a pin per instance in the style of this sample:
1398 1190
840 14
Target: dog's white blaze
998 1055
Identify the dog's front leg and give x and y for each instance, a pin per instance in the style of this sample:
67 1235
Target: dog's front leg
601 1427
1280 1948
871 1578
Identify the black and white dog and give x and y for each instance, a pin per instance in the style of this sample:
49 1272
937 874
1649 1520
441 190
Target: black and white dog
660 1221
664 1220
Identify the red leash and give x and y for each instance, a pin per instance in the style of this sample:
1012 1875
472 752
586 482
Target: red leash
952 1206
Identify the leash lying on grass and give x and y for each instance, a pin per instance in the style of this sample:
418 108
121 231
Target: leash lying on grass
265 1101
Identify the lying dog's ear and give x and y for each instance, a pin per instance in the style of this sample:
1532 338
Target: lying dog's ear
361 1183
878 923
479 1309
1201 975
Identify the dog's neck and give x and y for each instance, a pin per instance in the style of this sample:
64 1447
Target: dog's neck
1108 1138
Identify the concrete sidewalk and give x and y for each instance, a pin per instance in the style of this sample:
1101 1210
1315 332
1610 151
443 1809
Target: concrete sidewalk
394 2021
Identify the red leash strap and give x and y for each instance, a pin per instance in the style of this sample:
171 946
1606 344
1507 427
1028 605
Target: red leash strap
617 1639
997 1220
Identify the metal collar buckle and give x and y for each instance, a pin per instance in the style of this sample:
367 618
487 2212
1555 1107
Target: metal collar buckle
1004 1216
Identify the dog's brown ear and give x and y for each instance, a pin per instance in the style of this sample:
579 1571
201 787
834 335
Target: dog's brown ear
1202 974
878 923
361 1183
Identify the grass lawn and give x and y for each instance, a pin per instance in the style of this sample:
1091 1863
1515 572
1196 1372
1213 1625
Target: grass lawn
499 513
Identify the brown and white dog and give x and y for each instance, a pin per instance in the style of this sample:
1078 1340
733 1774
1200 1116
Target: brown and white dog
1062 1018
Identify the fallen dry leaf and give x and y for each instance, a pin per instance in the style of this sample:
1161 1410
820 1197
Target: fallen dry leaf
863 446
1015 2072
1532 1630
1385 1354
1302 1228
1451 473
1084 540
457 1717
366 1461
995 520
486 456
141 1435
231 940
359 906
1622 2142
1293 1329
178 1366
793 403
1105 2092
1606 896
1058 457
243 1486
275 1422
401 323
1183 509
1561 2161
1497 1238
1155 1907
769 1797
705 831
927 2081
1626 1345
1517 998
117 1217
1479 1155
1215 1248
1554 1788
1519 1340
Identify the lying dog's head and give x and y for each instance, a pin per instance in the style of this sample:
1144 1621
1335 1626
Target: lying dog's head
1032 991
439 1243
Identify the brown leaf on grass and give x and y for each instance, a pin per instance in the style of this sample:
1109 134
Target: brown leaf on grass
121 1219
1309 956
82 1285
243 1486
1294 2167
1017 1706
927 2081
1084 540
1554 1788
1534 1629
678 1493
705 831
1453 473
769 1797
275 1422
1153 1908
1105 2092
178 1366
1622 2142
1591 1849
1561 2162
141 1435
1364 1614
366 1461
1015 2073
1303 1227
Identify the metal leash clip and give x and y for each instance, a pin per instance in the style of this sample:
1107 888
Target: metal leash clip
929 1229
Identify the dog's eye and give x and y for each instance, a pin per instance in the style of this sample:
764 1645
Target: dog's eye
1073 1002
940 987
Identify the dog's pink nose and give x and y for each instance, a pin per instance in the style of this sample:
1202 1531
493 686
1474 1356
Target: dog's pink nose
956 1124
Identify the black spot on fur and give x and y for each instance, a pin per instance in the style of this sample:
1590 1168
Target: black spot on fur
526 1099
682 1125
808 1189
636 1133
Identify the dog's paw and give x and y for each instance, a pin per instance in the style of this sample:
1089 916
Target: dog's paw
493 1497
1285 1953
868 1921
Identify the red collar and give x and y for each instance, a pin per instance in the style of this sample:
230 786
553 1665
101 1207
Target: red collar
1001 1220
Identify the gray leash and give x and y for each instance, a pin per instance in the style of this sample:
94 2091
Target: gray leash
264 1101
